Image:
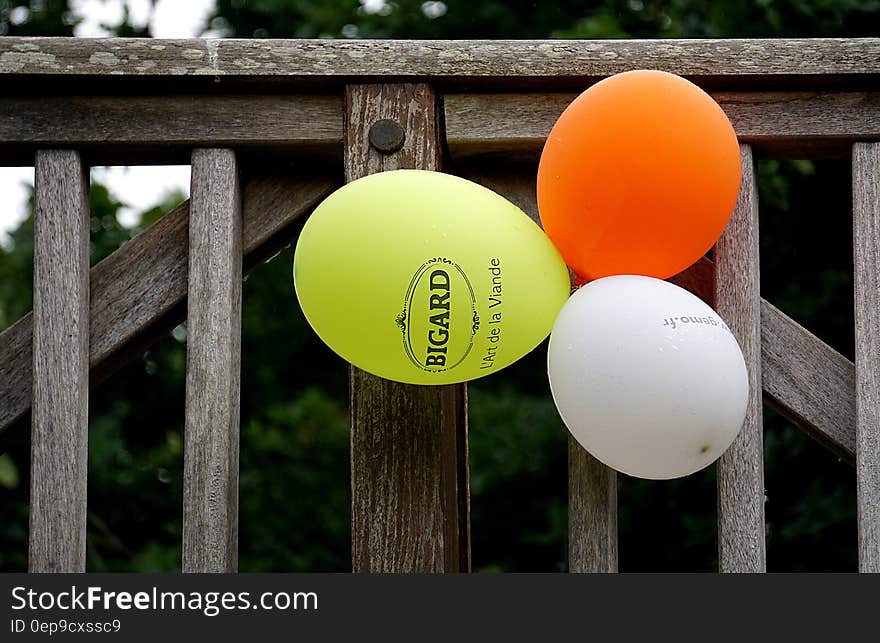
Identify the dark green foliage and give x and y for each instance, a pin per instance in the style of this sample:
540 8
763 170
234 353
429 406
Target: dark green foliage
529 19
519 478
36 18
806 270
294 492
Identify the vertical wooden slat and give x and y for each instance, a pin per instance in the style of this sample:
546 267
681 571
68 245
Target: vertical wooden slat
59 443
866 246
592 513
741 545
410 502
213 365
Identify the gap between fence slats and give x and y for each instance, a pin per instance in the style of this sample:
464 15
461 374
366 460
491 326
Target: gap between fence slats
213 365
138 293
866 245
778 124
59 435
741 546
409 470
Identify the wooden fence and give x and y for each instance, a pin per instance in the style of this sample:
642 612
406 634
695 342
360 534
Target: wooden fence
272 127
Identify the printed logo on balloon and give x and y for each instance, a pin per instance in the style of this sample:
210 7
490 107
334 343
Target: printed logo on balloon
400 273
431 342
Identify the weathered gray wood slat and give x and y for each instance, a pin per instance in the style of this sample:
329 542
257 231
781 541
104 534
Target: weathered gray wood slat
776 61
803 378
59 434
741 546
165 128
866 244
139 292
409 467
808 382
213 365
783 124
592 513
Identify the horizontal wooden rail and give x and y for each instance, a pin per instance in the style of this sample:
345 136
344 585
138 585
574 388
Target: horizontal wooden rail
139 292
164 128
770 62
777 124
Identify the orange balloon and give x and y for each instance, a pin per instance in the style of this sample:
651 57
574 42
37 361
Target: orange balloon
639 175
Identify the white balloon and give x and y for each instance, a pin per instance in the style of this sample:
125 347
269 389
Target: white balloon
647 377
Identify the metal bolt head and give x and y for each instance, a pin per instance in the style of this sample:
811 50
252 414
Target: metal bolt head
387 136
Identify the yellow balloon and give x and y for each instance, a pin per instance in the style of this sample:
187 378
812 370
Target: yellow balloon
427 278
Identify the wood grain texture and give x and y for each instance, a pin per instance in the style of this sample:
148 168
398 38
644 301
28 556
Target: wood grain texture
794 124
592 513
741 543
699 279
59 434
515 182
213 365
808 382
866 245
164 128
776 62
409 469
138 294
